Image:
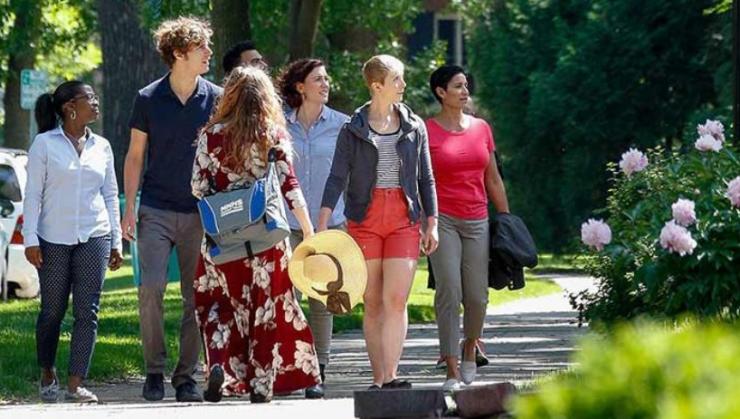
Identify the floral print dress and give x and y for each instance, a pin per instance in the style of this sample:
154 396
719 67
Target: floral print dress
249 318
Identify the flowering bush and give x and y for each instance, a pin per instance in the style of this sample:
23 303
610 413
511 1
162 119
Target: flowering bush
733 191
677 239
674 227
711 136
633 161
596 234
683 212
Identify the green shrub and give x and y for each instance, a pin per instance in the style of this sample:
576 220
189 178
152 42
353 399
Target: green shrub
637 274
646 372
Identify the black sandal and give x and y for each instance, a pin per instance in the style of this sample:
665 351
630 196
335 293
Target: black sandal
258 398
213 392
397 384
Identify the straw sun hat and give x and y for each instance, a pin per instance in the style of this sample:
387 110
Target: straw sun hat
329 267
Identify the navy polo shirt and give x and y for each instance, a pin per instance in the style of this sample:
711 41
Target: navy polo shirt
172 132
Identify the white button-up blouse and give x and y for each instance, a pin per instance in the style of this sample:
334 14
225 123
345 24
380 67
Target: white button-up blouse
70 198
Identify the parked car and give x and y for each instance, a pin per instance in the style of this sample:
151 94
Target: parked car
3 245
19 277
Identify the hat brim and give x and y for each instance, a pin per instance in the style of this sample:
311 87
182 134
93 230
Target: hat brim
349 255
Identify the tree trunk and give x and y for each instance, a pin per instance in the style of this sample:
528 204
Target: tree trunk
305 23
230 23
130 62
23 36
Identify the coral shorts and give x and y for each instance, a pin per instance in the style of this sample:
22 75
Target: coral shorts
386 232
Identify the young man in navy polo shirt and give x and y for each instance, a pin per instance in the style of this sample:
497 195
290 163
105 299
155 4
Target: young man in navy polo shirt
165 122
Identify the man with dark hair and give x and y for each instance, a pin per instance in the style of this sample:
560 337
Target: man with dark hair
243 53
167 115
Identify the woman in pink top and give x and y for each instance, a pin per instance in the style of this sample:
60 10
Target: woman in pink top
461 147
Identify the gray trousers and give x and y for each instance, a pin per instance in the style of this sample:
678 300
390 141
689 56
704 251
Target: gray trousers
461 273
319 319
158 230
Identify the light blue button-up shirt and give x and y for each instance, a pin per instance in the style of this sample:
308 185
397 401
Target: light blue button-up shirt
314 152
70 198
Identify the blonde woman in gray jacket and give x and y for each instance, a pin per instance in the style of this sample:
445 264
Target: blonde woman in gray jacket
382 166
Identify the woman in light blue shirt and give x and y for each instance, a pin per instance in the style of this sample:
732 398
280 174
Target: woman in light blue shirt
313 128
71 229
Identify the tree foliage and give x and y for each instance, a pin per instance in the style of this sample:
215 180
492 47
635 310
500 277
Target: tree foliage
66 24
570 84
345 40
55 34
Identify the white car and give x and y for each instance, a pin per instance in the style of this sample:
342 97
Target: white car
19 277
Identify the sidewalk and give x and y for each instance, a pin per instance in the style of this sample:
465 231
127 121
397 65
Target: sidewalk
524 339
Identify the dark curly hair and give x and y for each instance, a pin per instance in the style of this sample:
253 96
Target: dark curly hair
296 72
233 55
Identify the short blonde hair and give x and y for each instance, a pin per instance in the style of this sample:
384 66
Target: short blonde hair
377 68
180 35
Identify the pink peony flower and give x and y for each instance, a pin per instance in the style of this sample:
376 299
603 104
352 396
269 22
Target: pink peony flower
712 128
677 239
733 191
596 233
633 161
708 143
683 212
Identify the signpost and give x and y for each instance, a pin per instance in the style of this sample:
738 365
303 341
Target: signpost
33 84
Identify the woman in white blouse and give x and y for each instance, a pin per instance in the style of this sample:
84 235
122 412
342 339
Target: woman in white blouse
71 229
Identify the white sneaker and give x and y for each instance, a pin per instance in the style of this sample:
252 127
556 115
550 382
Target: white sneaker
450 385
467 371
49 393
81 395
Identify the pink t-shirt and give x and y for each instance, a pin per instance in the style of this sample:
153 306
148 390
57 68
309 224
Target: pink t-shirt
459 161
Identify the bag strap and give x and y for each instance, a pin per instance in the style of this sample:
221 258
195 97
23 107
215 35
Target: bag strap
271 159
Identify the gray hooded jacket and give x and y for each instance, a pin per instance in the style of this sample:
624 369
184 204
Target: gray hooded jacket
354 168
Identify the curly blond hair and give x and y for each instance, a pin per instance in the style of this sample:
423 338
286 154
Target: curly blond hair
180 35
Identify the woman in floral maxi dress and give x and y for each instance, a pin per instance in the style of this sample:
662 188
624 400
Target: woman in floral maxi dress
256 338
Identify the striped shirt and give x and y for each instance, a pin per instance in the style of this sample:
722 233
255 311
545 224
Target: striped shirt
389 163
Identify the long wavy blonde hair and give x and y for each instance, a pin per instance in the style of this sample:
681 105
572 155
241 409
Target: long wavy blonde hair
251 113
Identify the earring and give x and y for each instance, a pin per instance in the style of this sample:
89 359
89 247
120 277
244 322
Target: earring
73 115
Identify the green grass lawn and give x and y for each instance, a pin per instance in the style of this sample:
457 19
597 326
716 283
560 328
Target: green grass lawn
118 351
559 263
421 300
